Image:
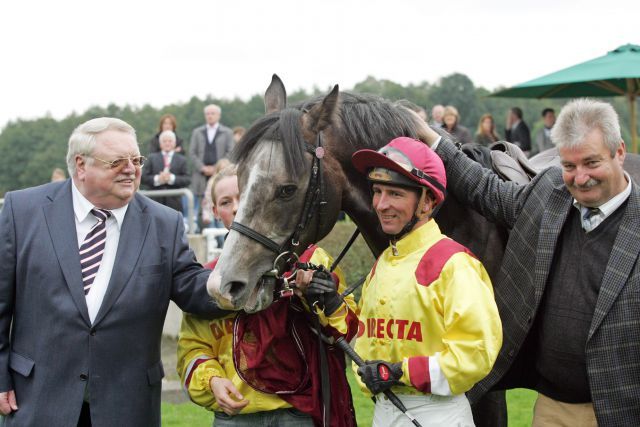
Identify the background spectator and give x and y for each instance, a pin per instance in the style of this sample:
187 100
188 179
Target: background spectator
486 134
437 112
209 143
166 170
238 133
517 131
451 119
543 137
167 122
58 175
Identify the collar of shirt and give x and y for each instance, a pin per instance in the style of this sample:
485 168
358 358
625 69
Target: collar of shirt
168 153
435 144
416 240
212 128
515 125
609 207
82 207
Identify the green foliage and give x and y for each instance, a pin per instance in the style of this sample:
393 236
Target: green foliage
358 261
31 149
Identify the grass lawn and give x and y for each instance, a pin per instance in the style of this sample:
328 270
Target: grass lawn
520 403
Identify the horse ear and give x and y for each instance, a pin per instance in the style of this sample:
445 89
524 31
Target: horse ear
322 115
275 98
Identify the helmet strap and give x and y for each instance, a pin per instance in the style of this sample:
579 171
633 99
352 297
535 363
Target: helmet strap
418 215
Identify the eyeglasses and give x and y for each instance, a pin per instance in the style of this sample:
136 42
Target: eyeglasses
138 161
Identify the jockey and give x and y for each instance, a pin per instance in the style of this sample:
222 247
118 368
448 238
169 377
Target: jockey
244 393
429 325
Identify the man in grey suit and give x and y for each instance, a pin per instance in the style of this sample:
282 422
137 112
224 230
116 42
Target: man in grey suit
87 269
543 137
568 289
209 143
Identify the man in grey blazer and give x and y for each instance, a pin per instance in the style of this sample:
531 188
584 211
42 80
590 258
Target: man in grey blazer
568 289
209 143
87 269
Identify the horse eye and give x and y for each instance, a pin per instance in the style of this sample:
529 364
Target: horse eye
286 191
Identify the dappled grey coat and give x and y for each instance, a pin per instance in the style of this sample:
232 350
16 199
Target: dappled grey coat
535 214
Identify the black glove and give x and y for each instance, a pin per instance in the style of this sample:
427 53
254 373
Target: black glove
322 292
379 375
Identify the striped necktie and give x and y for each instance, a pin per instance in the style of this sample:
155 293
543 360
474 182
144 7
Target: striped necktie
92 248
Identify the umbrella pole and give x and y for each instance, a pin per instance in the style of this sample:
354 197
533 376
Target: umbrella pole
634 129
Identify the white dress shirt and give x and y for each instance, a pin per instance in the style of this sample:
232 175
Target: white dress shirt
84 222
211 132
172 178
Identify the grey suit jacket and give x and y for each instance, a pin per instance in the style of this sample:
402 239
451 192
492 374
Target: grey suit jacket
224 145
49 350
536 213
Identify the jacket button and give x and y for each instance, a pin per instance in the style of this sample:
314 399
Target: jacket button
511 353
383 301
92 332
83 377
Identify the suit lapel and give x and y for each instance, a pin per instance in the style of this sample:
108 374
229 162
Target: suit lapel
206 136
553 219
59 217
622 260
132 236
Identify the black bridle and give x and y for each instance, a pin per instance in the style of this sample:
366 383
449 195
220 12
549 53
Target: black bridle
314 203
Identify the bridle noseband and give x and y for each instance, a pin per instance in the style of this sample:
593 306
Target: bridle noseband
314 202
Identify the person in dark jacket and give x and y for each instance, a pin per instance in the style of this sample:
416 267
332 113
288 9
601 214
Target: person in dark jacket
568 289
167 122
451 124
517 131
166 170
486 134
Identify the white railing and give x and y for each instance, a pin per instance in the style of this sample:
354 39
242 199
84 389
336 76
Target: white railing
213 250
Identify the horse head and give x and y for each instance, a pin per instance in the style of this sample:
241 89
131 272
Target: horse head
289 198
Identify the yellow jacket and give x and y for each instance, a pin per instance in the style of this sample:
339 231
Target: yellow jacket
205 351
432 308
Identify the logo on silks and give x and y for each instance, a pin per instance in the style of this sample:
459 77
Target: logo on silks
383 371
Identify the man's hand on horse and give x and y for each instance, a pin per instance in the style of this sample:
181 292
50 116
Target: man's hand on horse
224 391
8 402
319 289
379 375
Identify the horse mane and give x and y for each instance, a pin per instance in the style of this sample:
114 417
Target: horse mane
281 126
363 121
369 121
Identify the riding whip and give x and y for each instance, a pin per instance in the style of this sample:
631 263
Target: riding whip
344 346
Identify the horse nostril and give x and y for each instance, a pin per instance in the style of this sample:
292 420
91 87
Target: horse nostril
236 288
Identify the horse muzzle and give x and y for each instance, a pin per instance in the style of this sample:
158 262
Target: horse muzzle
237 295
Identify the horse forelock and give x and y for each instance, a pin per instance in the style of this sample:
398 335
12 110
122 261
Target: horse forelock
283 127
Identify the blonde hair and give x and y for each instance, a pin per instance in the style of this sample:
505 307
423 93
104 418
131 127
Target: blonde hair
225 172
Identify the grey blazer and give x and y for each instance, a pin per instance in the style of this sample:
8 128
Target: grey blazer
49 350
536 213
224 145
